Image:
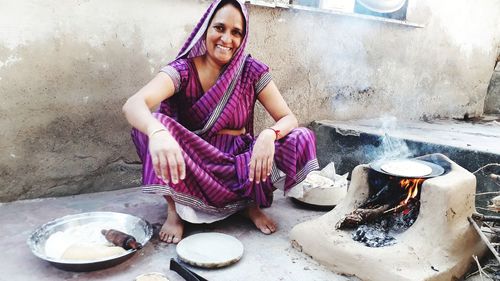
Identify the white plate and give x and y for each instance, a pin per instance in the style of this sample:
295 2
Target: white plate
211 250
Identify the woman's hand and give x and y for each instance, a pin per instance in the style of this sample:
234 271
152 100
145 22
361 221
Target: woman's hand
261 161
167 158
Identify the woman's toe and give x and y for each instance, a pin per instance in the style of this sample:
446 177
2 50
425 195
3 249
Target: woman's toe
176 240
266 230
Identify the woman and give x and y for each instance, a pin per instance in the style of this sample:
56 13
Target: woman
198 150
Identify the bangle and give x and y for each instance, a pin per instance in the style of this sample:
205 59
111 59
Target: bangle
156 131
276 132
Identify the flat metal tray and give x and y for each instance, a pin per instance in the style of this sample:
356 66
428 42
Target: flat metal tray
137 227
436 169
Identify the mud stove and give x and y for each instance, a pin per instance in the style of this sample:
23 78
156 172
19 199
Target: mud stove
430 236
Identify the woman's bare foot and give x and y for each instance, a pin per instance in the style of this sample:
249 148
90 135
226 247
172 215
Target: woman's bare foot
264 223
173 228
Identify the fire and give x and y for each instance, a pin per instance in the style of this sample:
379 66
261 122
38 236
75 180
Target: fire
411 185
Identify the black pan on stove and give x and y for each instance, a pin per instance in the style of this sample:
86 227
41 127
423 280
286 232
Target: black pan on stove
436 169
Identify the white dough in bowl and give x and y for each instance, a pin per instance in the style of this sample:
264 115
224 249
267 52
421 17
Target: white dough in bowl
406 168
91 252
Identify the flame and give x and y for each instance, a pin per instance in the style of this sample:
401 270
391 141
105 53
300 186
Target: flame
412 186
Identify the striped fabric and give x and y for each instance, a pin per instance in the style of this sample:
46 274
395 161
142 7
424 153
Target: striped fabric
263 81
217 165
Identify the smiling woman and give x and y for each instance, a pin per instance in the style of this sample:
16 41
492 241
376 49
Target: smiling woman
199 149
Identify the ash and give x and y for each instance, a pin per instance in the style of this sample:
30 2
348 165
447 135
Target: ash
382 232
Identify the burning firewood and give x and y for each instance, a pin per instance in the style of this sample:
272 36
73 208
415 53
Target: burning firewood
392 197
360 216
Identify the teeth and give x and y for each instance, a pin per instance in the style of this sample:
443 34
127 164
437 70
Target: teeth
223 48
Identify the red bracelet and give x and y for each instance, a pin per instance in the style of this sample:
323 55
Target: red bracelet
276 132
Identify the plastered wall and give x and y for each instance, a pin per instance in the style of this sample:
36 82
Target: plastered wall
66 68
341 67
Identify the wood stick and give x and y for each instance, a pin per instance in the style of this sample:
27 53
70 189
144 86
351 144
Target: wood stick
484 209
486 166
360 216
482 217
479 268
393 209
494 229
484 238
488 193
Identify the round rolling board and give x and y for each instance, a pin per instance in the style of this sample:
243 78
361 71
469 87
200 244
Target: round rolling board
210 250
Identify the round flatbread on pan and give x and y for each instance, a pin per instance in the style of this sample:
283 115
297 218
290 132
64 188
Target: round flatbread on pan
406 168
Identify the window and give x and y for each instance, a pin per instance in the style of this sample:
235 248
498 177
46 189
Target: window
386 10
396 11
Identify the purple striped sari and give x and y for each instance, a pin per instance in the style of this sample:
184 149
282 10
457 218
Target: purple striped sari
217 165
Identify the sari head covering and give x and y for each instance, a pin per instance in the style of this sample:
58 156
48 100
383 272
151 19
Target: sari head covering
224 86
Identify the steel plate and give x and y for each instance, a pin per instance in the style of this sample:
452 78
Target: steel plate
436 169
137 227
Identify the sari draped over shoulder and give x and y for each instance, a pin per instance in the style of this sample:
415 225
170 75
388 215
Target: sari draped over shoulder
217 165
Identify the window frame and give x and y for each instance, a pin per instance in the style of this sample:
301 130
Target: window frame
283 4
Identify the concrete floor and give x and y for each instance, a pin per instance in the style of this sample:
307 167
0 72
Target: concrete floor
266 257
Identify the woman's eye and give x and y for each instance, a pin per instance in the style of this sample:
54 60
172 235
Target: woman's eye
219 28
237 33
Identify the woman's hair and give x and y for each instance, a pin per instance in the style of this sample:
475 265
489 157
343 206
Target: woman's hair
236 5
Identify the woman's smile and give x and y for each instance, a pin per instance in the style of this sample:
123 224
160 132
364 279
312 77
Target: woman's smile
224 49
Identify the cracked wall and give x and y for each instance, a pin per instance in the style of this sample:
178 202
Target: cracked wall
67 67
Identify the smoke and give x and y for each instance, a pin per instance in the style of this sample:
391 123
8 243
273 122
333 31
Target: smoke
340 56
390 147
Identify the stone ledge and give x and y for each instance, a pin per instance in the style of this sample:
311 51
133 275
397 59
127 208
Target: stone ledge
350 143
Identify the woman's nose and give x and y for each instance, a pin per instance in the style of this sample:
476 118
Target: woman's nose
226 38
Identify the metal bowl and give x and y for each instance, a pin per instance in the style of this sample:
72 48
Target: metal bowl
137 227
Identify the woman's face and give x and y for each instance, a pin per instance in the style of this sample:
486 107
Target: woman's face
224 34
